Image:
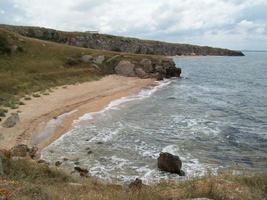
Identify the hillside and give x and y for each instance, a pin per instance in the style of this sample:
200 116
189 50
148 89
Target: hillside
30 65
120 44
28 179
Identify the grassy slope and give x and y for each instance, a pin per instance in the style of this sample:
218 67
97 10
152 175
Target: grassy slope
38 65
27 180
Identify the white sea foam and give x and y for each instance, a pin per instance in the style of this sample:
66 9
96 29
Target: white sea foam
114 105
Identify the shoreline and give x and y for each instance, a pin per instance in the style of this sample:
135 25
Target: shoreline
72 102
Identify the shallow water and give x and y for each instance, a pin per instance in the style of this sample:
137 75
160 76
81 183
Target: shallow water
214 117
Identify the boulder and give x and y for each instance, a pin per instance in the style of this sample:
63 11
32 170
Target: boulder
170 163
33 152
170 67
160 69
125 68
11 121
140 72
136 184
20 150
99 60
86 58
158 76
173 72
83 172
58 163
147 65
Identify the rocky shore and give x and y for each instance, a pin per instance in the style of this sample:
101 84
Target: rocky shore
119 44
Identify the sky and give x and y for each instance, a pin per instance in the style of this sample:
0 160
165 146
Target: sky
234 24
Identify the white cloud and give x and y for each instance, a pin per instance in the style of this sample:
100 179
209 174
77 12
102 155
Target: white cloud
173 20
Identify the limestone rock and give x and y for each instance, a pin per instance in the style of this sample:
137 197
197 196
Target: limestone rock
11 121
140 73
147 65
86 58
125 68
99 60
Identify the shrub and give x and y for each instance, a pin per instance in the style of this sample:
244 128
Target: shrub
36 95
27 98
3 112
4 45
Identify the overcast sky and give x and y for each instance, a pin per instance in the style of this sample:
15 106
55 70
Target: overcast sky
235 24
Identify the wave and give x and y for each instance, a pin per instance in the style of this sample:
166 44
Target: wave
114 105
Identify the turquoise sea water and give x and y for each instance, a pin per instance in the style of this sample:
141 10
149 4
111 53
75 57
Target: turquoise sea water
214 117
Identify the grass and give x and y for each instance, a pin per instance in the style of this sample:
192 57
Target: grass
26 179
41 65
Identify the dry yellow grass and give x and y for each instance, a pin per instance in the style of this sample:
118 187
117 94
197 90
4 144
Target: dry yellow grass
27 180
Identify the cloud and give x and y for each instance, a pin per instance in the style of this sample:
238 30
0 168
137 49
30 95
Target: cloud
207 22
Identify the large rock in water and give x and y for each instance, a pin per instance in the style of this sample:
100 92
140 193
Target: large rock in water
170 163
125 68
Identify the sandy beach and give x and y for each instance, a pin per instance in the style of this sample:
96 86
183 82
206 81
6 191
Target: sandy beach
73 99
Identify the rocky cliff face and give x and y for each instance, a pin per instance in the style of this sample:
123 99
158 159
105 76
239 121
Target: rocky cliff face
120 44
157 67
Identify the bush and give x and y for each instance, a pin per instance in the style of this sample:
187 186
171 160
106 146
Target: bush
36 95
4 45
3 112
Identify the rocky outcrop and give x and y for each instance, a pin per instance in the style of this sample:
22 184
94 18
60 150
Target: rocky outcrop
136 184
158 69
22 150
125 68
120 44
170 163
81 171
11 121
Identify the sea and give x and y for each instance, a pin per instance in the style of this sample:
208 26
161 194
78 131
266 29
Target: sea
214 118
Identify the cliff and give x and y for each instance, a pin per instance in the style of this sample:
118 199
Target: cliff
120 44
